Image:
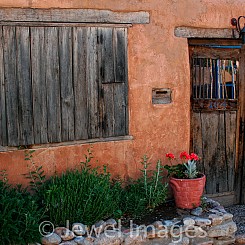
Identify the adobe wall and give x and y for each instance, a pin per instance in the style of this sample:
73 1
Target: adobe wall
157 59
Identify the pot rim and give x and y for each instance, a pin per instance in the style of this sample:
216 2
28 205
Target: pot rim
196 179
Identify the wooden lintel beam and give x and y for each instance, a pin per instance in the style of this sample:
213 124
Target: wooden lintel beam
72 15
195 32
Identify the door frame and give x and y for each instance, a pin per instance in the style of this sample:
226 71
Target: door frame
239 184
241 144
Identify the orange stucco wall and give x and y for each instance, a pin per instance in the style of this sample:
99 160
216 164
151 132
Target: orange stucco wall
157 59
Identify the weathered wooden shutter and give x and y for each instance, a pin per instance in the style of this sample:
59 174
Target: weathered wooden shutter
62 84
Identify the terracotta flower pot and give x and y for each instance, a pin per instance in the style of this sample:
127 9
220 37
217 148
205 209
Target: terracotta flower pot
188 192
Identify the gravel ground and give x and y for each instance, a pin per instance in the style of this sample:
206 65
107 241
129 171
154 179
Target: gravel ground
238 212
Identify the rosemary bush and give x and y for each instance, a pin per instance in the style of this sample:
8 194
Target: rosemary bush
19 216
83 195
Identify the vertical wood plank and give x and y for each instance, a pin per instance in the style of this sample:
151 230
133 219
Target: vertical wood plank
221 158
93 84
39 91
196 140
3 119
24 86
120 43
230 146
108 112
120 109
11 86
80 82
106 54
66 80
209 122
53 84
106 80
121 79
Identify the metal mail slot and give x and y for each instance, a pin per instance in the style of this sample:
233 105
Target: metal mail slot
161 96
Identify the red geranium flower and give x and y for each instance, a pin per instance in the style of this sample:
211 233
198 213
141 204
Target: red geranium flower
186 168
194 156
184 156
170 156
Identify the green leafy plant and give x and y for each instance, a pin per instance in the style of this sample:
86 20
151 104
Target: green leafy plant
83 194
19 216
146 193
185 170
35 174
88 194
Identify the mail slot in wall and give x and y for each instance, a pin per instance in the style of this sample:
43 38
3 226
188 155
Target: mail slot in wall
161 96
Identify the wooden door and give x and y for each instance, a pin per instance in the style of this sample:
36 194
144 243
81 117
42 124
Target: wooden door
216 118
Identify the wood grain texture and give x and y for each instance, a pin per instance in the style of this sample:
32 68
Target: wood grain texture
93 84
214 137
214 41
210 136
11 85
39 91
70 143
66 84
106 55
113 57
215 53
120 109
73 15
63 24
62 81
214 132
80 82
53 84
108 112
3 119
120 46
214 105
231 148
196 143
25 117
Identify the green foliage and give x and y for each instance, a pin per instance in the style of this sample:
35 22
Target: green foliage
177 171
146 193
82 195
204 205
183 171
36 173
191 169
19 216
85 194
187 169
